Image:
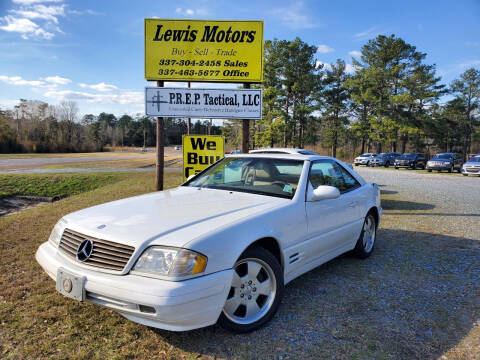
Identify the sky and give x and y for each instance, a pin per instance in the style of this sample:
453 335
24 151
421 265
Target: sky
92 51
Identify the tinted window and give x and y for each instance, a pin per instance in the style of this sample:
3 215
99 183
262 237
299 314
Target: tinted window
328 172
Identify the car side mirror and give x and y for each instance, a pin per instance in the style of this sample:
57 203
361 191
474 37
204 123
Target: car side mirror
324 192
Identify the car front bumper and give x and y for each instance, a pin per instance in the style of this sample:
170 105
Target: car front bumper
471 170
179 305
438 167
361 162
403 165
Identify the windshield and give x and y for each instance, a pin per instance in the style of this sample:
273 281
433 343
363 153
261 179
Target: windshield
264 176
365 155
407 156
475 160
443 156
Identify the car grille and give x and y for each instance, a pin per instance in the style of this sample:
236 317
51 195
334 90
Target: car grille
474 169
105 254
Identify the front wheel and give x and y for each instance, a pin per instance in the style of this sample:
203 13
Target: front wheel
366 241
255 293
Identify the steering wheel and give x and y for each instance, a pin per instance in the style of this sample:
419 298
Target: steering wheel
279 183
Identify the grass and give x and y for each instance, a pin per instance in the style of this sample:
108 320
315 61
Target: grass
117 164
61 185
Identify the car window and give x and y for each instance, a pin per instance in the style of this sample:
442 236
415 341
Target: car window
328 172
350 181
264 176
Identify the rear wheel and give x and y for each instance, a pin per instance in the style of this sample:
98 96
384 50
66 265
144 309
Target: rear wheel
255 293
366 241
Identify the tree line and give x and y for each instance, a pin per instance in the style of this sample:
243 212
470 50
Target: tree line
387 101
35 126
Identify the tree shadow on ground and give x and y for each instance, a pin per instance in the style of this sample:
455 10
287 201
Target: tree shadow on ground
390 204
388 192
417 296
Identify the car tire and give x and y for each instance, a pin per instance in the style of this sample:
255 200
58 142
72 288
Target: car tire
459 170
429 170
396 167
257 287
387 164
451 169
366 241
465 174
414 166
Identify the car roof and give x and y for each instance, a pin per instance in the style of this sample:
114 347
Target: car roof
279 150
289 156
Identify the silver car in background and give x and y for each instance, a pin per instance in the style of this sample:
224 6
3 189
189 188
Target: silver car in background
384 159
471 167
364 159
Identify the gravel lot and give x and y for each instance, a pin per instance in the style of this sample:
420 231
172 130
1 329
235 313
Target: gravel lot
416 297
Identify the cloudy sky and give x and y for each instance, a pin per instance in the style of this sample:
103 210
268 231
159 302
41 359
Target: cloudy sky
91 51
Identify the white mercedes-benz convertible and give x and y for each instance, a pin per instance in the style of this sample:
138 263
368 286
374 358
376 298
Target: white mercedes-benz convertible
220 247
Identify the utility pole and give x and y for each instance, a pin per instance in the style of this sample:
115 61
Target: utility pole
245 129
189 122
160 150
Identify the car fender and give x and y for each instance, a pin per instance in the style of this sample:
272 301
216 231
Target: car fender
286 225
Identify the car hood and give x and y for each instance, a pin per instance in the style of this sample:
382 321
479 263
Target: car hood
172 218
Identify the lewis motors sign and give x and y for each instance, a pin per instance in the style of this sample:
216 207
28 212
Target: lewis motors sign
203 103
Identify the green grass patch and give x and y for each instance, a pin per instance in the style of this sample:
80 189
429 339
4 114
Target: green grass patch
53 184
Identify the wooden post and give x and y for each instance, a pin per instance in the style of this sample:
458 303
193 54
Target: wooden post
160 150
245 129
189 120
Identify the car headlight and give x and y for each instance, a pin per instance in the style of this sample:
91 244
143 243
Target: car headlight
447 162
57 232
172 262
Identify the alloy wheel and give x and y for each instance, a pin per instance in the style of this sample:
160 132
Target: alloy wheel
252 292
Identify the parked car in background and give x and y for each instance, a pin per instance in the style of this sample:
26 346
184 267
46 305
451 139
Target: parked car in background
234 152
445 161
364 159
413 160
218 248
472 166
384 159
